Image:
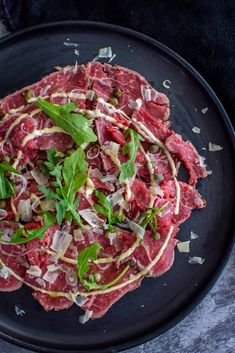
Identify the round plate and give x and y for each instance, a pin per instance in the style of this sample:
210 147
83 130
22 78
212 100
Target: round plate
27 56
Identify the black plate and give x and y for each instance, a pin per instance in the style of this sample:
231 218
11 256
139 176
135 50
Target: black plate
27 56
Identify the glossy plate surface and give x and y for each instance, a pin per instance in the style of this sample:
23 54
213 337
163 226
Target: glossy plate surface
27 56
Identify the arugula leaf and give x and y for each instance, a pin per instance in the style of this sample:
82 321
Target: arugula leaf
69 178
21 236
76 125
8 168
128 168
86 255
6 186
90 254
74 173
92 285
53 157
48 193
105 208
151 220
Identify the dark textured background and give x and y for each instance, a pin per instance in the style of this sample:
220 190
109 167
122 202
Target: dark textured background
201 31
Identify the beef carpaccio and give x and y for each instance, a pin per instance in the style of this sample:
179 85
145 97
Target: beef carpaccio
90 203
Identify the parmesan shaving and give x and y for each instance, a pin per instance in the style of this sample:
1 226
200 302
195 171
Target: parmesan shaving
193 235
70 44
61 242
205 110
183 246
104 53
34 271
214 148
196 260
196 130
91 218
84 318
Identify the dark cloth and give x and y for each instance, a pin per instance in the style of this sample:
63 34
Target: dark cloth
201 31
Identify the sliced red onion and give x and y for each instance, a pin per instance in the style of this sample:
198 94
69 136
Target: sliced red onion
24 184
44 90
93 152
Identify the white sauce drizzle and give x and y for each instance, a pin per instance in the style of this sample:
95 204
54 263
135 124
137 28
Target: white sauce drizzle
37 133
11 127
171 161
16 110
71 295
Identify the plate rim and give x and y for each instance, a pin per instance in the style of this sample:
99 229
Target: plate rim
153 333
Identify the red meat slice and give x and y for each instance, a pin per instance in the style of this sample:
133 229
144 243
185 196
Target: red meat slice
38 257
187 153
99 304
50 303
158 128
99 80
13 257
103 130
140 194
190 199
58 140
146 253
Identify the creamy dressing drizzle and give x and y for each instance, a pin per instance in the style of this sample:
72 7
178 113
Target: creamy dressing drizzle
13 111
111 109
37 133
18 159
71 295
170 159
97 113
11 127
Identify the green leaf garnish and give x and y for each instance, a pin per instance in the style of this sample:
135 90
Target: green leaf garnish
87 255
128 168
6 185
69 178
151 220
22 236
105 208
76 125
53 158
